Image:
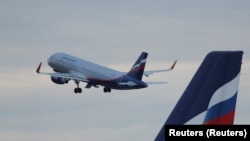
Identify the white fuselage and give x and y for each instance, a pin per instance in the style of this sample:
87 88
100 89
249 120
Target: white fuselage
65 63
68 67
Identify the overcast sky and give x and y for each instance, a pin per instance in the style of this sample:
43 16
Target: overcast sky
111 33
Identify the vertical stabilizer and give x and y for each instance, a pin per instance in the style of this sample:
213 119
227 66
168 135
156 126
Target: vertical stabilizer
210 97
138 68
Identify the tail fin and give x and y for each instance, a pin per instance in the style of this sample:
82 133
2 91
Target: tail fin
211 94
138 68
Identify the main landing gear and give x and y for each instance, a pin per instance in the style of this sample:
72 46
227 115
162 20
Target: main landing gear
77 89
106 90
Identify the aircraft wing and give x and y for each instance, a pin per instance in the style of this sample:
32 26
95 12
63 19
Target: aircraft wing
150 72
71 75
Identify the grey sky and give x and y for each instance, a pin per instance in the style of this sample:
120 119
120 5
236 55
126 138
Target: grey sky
112 33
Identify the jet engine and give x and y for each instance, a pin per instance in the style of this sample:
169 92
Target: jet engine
59 80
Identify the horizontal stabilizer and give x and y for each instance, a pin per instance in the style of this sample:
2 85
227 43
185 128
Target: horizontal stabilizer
160 82
129 83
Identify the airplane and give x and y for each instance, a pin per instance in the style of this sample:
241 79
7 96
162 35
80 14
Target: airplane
211 95
67 67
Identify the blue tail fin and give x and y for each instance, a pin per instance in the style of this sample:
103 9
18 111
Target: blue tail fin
138 68
210 97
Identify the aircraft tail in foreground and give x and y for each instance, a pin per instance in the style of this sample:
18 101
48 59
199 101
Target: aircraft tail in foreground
210 97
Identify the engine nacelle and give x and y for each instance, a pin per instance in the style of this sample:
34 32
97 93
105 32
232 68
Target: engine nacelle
59 80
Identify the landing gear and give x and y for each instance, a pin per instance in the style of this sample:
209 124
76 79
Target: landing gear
77 89
107 90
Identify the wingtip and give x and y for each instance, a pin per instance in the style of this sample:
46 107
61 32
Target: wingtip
172 67
39 67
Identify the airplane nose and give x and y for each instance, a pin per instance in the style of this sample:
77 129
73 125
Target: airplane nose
51 60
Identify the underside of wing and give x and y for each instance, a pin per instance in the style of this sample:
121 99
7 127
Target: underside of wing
69 76
73 76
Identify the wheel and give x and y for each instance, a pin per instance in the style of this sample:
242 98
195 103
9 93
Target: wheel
78 90
75 90
107 90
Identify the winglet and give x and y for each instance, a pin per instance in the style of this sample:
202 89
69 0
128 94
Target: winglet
38 68
172 67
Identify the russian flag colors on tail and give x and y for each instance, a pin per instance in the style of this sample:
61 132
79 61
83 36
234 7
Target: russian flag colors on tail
210 97
138 68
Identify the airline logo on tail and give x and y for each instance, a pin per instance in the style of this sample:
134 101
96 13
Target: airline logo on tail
138 68
210 97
